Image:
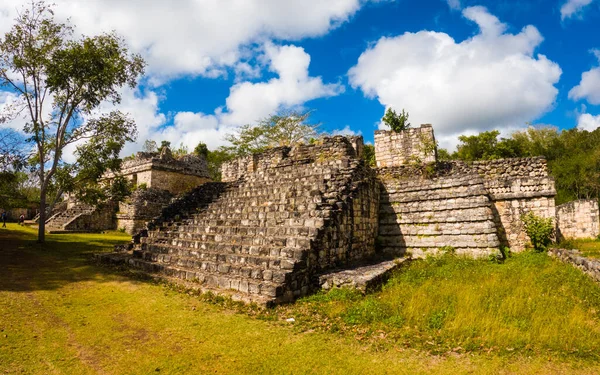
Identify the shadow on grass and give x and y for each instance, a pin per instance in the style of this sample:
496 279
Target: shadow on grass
65 258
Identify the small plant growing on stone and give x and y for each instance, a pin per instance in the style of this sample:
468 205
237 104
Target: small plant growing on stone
122 230
540 230
396 121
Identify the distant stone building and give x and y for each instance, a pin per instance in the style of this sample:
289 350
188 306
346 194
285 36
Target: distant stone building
157 178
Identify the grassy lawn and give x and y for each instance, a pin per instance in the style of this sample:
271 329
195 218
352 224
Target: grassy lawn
589 248
62 314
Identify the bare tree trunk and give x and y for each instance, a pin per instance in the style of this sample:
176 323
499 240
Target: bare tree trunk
42 224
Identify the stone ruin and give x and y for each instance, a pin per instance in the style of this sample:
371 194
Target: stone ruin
284 221
158 178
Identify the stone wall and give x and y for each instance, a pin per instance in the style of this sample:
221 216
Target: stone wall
574 257
164 171
426 211
516 186
174 182
412 146
143 206
578 219
279 157
99 219
471 207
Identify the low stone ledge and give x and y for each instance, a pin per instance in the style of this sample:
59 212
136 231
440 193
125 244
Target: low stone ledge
574 257
363 278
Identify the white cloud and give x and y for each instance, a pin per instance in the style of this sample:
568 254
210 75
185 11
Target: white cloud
9 102
454 4
492 80
588 122
589 86
247 101
196 37
573 7
345 131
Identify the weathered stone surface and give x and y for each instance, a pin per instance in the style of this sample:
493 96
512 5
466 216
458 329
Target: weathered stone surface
412 146
291 214
363 277
82 218
578 219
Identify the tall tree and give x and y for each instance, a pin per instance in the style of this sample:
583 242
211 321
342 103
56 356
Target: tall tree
61 81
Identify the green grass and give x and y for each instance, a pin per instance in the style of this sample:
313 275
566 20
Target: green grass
62 314
532 305
589 247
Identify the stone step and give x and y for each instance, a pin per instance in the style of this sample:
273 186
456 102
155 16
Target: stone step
233 240
198 231
211 280
262 268
434 206
214 249
440 240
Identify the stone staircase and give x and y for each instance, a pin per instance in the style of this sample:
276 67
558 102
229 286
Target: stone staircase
266 236
62 220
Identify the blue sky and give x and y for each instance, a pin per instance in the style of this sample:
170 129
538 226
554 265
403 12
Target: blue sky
464 66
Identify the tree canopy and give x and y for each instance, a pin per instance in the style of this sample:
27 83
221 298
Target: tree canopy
573 155
283 129
60 82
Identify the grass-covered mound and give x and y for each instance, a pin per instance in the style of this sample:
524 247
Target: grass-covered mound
531 304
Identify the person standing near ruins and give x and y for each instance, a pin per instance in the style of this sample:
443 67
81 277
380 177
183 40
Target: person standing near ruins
3 219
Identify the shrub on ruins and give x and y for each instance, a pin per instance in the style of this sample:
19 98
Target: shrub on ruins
214 159
60 81
369 155
396 121
540 230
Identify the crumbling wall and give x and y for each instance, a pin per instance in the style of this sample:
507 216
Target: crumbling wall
516 186
426 211
143 206
578 219
174 182
279 157
99 219
411 146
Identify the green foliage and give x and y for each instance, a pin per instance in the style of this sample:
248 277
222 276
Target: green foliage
163 145
502 255
369 155
283 129
80 74
397 122
150 146
539 230
443 154
528 305
182 150
201 150
573 156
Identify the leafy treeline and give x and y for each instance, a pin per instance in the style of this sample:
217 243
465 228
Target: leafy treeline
573 156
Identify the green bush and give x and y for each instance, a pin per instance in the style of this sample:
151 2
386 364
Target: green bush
540 230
